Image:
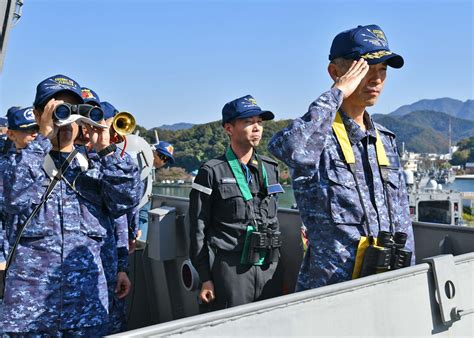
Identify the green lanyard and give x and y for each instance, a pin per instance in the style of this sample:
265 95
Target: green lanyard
236 168
239 174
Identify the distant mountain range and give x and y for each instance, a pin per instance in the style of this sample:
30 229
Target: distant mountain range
452 107
423 127
426 131
176 126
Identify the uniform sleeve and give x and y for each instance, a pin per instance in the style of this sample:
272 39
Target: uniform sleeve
118 186
24 176
121 236
200 206
132 219
302 142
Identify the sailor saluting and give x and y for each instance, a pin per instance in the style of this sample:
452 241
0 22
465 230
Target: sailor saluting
345 169
55 282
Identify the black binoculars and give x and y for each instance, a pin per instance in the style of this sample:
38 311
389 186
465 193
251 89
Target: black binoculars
64 110
267 242
388 254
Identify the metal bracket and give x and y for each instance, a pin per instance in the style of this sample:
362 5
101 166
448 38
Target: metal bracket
18 11
444 273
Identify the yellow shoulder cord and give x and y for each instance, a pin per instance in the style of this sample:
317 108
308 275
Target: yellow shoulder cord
343 139
382 160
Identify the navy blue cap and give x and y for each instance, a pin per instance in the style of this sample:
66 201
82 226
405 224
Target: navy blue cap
89 96
166 149
21 118
3 122
109 110
242 108
46 89
367 42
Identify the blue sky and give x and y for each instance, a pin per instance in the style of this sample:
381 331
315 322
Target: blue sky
181 61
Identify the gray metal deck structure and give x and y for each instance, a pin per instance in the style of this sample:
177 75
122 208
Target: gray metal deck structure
397 303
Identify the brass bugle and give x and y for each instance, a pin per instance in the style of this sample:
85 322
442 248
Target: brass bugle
124 123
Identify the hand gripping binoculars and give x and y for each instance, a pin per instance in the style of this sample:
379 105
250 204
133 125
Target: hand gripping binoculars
388 254
268 240
65 110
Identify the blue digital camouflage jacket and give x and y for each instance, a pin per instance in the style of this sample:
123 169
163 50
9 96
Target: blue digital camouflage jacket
325 189
56 279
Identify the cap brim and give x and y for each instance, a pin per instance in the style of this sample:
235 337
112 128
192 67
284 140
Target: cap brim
32 126
80 120
28 127
393 60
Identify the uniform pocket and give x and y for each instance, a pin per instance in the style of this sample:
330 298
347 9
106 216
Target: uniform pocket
393 178
91 219
269 206
345 203
392 188
40 225
231 206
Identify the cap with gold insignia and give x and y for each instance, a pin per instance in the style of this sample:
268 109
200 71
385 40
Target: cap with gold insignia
367 42
21 118
46 89
244 107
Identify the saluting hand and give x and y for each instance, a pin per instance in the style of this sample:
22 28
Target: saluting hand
207 292
348 82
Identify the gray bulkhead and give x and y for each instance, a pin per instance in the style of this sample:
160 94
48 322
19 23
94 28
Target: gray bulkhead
395 303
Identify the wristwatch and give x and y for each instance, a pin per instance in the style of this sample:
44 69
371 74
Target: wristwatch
107 150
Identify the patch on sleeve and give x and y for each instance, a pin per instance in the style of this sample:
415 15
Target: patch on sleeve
393 161
201 188
275 189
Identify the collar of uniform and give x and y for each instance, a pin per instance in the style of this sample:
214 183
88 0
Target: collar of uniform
354 132
253 161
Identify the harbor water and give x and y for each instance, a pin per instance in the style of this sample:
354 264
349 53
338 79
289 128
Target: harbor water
286 200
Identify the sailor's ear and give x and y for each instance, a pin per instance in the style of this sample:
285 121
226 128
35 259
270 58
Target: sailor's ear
228 128
11 135
333 71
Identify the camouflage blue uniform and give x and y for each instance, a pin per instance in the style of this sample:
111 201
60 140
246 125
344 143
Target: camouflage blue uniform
326 193
3 163
56 281
114 255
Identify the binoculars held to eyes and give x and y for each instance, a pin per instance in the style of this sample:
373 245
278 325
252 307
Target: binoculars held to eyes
388 254
65 110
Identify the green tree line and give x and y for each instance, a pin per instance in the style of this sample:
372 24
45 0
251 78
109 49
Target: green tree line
465 153
195 146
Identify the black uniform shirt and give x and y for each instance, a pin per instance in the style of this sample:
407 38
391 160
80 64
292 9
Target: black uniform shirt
219 215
